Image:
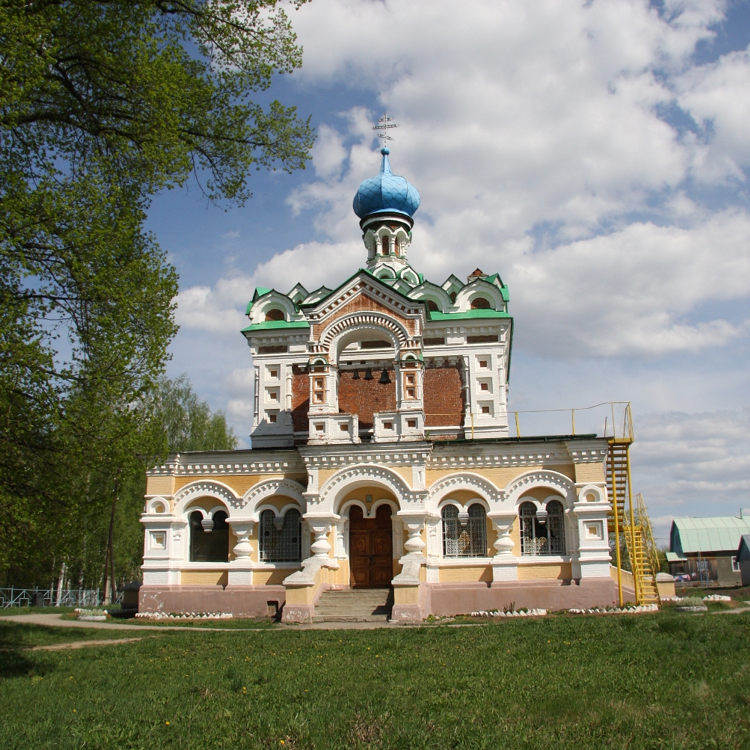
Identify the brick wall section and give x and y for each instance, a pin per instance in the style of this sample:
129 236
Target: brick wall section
300 398
443 396
364 397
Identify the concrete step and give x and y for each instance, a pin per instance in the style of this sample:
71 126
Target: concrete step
354 605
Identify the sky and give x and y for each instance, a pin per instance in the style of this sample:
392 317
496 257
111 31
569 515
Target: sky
594 154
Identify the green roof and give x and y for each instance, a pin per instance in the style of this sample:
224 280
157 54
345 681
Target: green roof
482 313
270 325
707 534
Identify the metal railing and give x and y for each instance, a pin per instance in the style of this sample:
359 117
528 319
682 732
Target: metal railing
36 597
610 419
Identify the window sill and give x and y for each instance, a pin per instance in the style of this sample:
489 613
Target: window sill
459 561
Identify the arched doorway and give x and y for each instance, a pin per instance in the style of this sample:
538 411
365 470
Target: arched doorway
370 548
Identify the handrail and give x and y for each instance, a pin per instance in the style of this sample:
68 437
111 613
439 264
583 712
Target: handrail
610 430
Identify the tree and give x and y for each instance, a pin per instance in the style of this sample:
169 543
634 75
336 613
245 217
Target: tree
185 422
102 104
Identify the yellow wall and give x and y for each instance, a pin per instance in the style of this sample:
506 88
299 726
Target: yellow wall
271 577
406 594
590 472
203 577
466 574
159 485
541 571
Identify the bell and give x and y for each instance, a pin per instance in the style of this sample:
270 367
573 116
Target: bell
355 375
368 374
384 379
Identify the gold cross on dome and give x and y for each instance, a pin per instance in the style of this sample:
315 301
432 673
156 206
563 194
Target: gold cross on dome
384 123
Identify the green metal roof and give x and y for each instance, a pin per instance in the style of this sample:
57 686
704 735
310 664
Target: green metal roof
271 325
469 314
707 534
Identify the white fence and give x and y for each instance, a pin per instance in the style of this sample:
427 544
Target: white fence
51 597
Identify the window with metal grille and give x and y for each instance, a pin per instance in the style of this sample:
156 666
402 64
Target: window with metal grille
464 534
280 536
209 537
542 537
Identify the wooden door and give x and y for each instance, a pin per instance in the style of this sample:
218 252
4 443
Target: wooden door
370 548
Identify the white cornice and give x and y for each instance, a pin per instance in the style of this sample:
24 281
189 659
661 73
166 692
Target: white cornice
328 457
437 455
230 462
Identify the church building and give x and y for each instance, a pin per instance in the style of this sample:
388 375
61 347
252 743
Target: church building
381 457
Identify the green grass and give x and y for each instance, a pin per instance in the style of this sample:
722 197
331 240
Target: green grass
10 611
670 680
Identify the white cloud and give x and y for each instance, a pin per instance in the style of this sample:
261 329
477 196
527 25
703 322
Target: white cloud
328 153
692 464
716 96
637 291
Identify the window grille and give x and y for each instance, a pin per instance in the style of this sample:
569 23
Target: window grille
539 538
280 538
210 546
464 536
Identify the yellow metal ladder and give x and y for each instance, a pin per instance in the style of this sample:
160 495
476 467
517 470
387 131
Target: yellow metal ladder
633 524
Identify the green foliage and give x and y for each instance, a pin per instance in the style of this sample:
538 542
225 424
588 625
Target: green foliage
102 104
185 422
588 682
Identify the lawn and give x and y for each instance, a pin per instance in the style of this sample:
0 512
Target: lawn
669 680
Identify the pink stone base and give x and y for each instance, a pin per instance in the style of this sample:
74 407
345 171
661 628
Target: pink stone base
445 599
240 601
298 613
407 614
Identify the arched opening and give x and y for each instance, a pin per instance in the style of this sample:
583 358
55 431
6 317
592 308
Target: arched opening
480 303
464 531
280 537
366 376
209 537
542 533
370 548
275 314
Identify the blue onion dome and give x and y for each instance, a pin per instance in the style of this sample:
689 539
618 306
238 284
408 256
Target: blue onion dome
386 193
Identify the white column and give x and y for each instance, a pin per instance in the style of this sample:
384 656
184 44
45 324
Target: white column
504 563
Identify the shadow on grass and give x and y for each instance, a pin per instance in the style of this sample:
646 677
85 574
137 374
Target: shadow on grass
14 662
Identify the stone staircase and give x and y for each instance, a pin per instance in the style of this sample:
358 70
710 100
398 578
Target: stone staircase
354 605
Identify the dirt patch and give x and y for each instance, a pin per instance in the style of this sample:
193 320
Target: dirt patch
82 644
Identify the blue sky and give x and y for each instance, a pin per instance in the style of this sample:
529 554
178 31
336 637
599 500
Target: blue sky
595 154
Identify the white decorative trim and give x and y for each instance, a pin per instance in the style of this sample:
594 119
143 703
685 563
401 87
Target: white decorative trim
358 321
502 456
270 487
599 492
231 462
157 505
276 512
360 474
319 457
542 478
484 488
207 488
